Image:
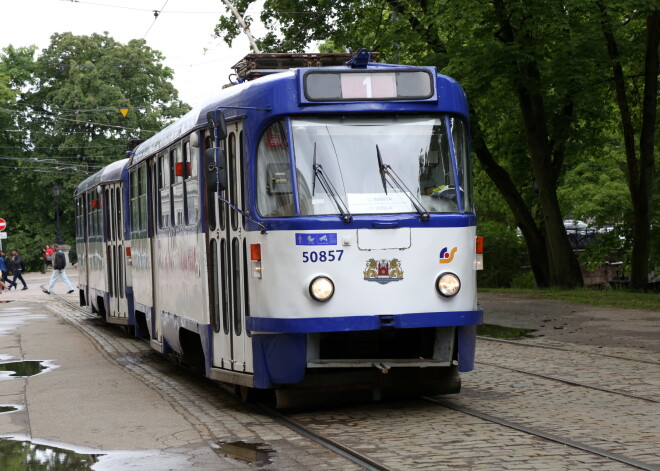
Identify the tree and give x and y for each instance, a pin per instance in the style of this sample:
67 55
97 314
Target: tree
67 106
638 111
531 71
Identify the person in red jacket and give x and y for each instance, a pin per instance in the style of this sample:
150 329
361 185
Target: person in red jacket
48 258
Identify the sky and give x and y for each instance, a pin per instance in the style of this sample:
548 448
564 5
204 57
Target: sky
183 32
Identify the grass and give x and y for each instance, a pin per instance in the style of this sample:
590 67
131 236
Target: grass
614 298
501 332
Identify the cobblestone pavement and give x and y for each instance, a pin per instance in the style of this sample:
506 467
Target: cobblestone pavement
217 416
415 434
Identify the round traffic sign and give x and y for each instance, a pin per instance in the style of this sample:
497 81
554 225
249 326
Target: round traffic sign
3 224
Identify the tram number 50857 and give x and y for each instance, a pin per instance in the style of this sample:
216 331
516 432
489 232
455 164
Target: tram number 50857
322 256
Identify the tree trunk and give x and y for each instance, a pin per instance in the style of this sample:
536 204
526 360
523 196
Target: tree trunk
563 265
641 173
524 219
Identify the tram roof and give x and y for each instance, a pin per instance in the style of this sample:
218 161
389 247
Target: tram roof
271 96
108 174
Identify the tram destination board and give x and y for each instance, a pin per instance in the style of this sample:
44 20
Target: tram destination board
414 84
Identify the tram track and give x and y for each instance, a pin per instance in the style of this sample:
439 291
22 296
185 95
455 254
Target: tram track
571 350
347 453
541 434
569 382
332 445
368 463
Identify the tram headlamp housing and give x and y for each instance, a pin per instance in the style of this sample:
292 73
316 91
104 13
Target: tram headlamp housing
321 288
448 284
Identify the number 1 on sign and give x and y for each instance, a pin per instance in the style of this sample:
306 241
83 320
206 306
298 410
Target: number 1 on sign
367 85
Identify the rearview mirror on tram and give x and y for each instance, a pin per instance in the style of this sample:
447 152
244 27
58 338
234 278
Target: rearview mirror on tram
214 159
216 120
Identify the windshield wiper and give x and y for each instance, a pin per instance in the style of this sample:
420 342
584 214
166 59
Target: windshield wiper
387 171
329 189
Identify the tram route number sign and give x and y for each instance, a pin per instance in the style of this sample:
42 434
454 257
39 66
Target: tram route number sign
3 224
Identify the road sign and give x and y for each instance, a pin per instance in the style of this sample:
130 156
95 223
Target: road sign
3 235
3 224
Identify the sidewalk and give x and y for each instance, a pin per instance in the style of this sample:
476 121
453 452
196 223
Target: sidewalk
36 282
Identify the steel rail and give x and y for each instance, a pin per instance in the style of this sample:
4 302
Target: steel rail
522 344
546 436
569 382
332 445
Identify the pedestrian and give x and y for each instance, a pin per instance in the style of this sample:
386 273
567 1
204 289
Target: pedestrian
58 271
18 267
3 268
3 287
48 258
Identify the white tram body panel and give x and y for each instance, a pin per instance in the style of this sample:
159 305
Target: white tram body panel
384 271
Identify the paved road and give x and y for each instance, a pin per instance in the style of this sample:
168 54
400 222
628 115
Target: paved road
109 394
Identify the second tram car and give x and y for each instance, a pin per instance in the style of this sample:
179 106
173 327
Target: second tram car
310 231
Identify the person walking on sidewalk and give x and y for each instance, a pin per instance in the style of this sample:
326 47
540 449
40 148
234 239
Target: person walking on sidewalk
58 271
3 268
18 268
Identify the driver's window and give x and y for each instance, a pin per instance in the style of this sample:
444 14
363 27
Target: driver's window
436 174
274 184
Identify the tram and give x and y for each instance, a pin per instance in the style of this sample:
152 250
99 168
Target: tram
309 230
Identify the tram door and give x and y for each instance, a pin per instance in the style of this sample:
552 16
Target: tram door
228 252
117 310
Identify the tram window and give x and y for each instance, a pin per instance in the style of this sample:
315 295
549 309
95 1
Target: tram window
225 288
164 181
98 215
210 194
215 290
233 180
241 163
120 226
236 284
417 149
461 148
176 156
274 188
142 197
190 155
135 208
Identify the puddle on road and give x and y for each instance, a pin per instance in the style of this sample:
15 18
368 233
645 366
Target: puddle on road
22 369
23 455
502 332
257 453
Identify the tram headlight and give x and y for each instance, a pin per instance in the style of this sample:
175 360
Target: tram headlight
321 288
448 284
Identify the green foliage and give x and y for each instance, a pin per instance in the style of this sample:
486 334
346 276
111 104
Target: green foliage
504 255
490 48
65 106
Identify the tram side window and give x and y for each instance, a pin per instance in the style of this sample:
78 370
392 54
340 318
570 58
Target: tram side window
190 156
135 207
80 218
274 187
142 196
164 182
176 156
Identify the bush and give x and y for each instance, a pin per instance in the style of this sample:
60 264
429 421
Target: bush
504 255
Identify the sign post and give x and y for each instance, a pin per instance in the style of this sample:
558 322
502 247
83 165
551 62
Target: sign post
3 235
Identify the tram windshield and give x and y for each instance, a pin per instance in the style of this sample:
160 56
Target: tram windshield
425 157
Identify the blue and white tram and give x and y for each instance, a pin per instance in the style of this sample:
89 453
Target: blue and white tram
311 231
102 242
